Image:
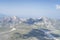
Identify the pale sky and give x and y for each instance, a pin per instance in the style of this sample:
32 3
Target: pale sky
31 8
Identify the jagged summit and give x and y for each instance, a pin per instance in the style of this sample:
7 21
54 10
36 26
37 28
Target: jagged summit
43 21
29 20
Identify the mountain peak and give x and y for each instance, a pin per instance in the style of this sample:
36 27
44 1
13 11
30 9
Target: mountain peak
14 17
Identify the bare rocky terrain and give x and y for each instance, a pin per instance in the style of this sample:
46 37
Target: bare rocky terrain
15 28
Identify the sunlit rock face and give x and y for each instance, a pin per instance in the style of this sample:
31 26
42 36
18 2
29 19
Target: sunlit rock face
16 28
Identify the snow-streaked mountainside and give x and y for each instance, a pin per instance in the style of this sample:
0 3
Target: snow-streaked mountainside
16 28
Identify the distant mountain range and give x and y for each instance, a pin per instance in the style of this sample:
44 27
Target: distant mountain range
30 21
33 27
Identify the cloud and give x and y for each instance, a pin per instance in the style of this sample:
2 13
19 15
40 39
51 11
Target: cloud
57 6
